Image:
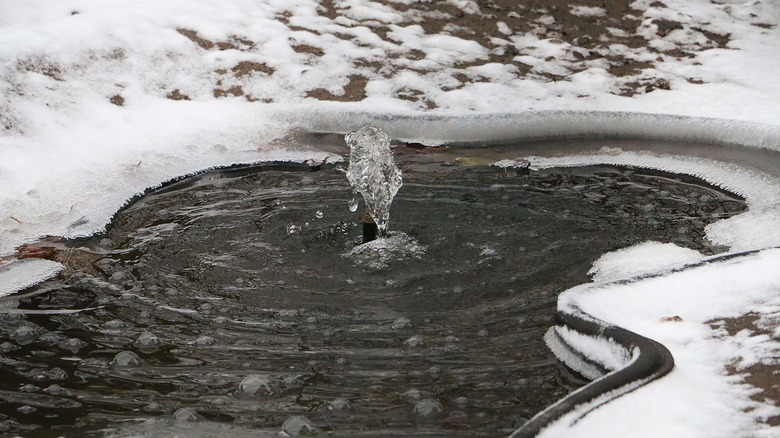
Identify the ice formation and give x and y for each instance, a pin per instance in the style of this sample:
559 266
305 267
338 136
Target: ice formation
373 173
21 274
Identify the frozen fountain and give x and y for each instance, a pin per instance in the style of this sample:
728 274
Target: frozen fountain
372 173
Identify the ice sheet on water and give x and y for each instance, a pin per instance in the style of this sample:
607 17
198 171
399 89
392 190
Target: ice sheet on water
373 173
21 274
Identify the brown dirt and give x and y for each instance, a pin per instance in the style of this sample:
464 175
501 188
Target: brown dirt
765 375
553 20
117 100
355 90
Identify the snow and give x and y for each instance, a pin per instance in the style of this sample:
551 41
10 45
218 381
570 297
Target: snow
102 100
641 259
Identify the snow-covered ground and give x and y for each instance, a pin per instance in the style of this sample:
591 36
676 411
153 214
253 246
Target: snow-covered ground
101 99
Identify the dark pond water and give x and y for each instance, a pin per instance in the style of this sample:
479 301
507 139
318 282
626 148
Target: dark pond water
239 304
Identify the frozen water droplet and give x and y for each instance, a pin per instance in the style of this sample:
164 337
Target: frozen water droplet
353 204
339 404
319 214
24 335
298 425
186 415
126 359
401 323
428 408
373 173
255 385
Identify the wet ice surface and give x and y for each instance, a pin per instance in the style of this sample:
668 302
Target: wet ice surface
204 314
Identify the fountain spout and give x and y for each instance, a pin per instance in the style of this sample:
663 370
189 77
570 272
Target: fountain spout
373 173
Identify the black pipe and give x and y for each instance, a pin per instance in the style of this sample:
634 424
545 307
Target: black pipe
370 229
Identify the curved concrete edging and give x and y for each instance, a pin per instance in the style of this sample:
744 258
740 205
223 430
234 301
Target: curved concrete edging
650 361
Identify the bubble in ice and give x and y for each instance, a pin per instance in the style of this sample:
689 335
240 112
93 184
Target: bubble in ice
428 408
26 409
461 402
126 359
186 415
255 385
7 347
152 407
24 335
319 214
401 323
29 388
292 229
415 341
373 173
413 395
148 341
298 425
339 404
74 345
55 390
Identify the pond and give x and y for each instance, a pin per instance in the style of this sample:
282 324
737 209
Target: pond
242 302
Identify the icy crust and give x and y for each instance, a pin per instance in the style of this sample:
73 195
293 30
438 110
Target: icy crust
21 274
603 351
641 259
381 253
756 228
669 308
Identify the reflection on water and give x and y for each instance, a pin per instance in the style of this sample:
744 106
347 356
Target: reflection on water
238 304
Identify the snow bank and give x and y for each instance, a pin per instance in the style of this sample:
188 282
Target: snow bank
696 398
